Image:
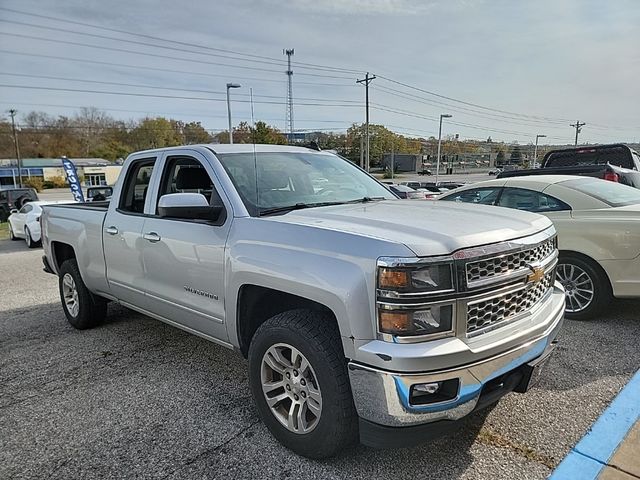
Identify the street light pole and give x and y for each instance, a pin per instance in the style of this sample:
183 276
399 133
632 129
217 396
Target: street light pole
444 115
535 152
13 112
229 86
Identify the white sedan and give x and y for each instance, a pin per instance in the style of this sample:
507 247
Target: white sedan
25 223
598 225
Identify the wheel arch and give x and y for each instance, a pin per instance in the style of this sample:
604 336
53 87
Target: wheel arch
256 304
62 252
590 260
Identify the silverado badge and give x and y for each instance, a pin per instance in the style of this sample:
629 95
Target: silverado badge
536 275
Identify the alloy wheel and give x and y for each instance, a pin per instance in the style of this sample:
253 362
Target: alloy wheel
578 286
70 295
291 388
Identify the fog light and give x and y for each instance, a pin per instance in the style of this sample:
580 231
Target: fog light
428 388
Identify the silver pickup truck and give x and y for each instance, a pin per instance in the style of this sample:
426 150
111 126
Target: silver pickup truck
362 316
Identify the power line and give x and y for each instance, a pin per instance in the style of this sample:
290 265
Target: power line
141 35
137 85
157 55
468 103
168 70
147 44
28 87
578 126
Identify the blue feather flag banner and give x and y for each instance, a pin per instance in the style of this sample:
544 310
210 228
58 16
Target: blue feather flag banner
72 179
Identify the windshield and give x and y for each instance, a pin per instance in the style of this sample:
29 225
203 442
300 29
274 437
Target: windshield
298 179
611 193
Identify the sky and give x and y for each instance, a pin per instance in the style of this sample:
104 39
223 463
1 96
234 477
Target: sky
505 69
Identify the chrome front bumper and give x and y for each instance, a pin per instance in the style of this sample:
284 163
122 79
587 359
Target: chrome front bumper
382 397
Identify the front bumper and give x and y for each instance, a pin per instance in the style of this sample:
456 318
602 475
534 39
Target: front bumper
382 397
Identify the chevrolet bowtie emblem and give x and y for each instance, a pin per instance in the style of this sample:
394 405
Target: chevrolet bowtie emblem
536 275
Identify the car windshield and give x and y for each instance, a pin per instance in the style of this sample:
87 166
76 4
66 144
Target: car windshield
611 193
278 181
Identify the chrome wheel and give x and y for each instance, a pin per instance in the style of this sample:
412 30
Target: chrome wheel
578 286
290 388
70 295
27 237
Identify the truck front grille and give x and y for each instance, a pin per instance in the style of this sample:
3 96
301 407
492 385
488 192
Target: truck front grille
480 270
485 315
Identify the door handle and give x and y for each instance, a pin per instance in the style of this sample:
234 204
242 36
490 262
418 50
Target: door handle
152 237
111 230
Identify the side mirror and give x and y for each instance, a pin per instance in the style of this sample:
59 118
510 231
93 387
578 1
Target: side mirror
13 210
193 206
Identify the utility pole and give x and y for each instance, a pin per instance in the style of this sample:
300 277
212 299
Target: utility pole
393 158
361 151
289 112
366 81
13 112
578 126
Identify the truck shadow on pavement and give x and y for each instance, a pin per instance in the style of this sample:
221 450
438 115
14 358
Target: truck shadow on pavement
137 398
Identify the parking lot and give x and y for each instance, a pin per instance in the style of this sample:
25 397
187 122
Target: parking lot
136 398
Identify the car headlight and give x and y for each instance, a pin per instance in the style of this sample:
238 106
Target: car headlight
428 320
430 278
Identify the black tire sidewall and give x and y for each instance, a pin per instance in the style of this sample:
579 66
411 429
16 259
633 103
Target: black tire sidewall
322 440
27 237
90 313
601 287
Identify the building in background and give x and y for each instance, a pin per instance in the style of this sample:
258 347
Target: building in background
92 171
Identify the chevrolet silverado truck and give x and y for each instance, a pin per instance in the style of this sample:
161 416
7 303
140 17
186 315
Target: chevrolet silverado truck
362 316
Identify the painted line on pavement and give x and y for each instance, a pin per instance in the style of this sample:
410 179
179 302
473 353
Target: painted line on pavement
593 451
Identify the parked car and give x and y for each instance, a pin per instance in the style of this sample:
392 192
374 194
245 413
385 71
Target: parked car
14 198
617 163
495 171
406 192
99 194
598 224
25 223
361 315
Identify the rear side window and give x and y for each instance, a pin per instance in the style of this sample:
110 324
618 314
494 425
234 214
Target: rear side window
136 185
484 196
531 201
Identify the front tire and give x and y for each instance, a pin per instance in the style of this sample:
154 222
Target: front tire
82 309
12 235
299 380
587 288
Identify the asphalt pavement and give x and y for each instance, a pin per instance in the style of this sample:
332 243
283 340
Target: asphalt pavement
135 398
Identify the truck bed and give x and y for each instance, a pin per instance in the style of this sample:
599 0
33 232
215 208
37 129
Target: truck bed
625 176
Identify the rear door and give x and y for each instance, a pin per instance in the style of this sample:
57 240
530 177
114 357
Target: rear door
122 235
184 259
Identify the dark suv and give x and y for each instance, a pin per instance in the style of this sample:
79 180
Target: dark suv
14 198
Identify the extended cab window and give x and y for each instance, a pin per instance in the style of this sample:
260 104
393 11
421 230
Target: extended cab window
187 175
531 201
136 186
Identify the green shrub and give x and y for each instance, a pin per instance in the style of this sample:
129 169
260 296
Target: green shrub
34 182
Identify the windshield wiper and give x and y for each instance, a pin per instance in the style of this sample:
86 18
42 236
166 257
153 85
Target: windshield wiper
300 206
364 200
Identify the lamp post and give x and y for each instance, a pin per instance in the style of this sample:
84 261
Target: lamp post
229 86
444 115
535 151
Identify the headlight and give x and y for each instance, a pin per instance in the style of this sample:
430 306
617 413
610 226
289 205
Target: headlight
427 320
428 278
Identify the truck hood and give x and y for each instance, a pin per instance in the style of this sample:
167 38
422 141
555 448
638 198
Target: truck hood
426 227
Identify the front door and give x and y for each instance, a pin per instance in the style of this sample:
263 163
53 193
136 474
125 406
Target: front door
184 259
122 235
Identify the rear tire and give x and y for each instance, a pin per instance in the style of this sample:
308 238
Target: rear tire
82 309
325 400
579 276
30 242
